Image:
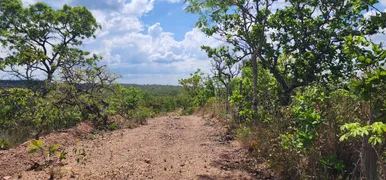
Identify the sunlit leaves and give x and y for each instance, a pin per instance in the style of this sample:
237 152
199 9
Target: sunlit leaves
376 131
307 119
14 106
36 145
370 59
198 87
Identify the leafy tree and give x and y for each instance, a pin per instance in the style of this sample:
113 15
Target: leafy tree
133 97
88 88
307 120
27 113
40 38
299 44
225 68
224 18
198 87
370 86
268 90
193 84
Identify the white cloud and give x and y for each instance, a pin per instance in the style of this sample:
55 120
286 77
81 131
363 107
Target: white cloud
138 7
29 2
152 56
156 52
280 4
116 22
195 38
370 13
155 31
383 2
54 4
149 78
174 1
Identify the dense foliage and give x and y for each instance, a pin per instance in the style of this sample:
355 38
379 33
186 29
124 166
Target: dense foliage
25 113
306 83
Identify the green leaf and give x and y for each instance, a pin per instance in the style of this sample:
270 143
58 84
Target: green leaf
53 148
35 143
343 137
39 143
31 146
374 140
56 146
361 58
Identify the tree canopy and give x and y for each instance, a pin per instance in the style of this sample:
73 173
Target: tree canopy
40 38
299 44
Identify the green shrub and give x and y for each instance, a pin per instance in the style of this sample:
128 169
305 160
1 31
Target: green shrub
47 152
141 114
217 107
4 144
113 126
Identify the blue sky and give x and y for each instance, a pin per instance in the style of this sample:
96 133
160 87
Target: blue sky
146 41
149 41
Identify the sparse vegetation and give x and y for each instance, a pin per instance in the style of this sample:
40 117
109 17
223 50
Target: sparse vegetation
47 152
310 97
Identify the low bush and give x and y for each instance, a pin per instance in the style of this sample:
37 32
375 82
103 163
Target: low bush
28 114
141 114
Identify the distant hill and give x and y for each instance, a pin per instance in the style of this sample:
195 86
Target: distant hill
5 84
153 89
157 90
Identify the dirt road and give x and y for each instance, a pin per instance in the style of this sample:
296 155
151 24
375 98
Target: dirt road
166 148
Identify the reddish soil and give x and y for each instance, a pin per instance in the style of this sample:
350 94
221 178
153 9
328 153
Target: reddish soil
188 147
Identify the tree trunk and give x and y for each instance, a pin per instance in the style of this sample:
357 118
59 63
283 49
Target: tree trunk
218 90
368 160
50 76
227 99
254 99
368 155
46 88
241 92
286 98
241 102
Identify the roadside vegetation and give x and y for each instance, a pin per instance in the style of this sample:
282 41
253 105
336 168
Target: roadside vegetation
303 87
